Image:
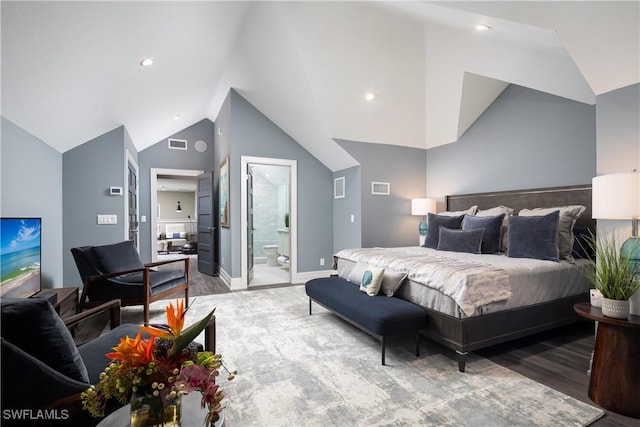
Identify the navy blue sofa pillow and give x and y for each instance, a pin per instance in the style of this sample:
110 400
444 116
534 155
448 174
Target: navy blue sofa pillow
437 221
534 237
116 257
492 226
460 240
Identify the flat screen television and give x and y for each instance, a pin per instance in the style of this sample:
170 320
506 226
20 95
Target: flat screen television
20 255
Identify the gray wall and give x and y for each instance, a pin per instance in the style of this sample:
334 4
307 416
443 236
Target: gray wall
618 146
88 172
525 139
247 132
161 156
345 233
387 220
31 186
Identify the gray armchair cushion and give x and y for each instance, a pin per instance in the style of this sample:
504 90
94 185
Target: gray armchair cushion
116 257
32 325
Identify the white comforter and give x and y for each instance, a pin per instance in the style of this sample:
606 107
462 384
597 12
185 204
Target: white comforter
469 282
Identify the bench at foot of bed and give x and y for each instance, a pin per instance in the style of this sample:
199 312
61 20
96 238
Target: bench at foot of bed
380 316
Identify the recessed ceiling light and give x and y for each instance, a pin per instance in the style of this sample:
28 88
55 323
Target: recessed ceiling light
481 27
146 62
176 117
369 96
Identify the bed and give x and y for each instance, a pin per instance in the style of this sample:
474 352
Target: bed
507 298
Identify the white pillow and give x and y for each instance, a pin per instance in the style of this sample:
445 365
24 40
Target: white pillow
355 275
391 281
568 217
471 211
372 280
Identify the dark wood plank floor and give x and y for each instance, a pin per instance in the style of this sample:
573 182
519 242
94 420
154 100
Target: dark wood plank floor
558 359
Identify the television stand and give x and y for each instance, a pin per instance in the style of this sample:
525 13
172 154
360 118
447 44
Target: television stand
66 299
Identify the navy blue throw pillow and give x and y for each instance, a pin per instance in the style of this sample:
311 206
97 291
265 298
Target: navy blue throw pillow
492 228
435 222
534 236
460 240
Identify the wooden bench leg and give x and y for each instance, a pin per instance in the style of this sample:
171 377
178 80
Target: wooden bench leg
210 335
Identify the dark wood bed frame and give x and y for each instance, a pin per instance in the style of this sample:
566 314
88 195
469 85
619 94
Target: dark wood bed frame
471 334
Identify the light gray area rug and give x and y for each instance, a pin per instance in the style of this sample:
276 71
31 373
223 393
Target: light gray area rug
301 370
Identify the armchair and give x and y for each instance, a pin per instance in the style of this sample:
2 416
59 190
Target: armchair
115 271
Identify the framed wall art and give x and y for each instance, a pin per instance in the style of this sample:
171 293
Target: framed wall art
224 193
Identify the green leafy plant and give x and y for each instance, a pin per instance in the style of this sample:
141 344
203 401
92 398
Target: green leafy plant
612 274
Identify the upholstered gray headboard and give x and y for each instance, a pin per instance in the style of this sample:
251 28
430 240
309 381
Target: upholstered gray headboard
528 199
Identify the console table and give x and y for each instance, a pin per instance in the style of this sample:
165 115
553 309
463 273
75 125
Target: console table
615 372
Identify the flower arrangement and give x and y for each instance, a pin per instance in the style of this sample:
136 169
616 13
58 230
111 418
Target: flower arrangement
159 370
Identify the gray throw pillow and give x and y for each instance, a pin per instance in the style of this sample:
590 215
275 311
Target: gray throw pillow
534 236
34 326
460 240
437 221
492 226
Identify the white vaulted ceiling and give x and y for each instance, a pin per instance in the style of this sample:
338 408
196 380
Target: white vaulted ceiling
70 70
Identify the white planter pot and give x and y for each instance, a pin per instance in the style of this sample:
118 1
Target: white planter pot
618 309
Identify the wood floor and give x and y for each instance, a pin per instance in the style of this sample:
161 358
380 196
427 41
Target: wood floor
558 359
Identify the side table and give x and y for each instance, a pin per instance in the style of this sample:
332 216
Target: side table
615 372
66 302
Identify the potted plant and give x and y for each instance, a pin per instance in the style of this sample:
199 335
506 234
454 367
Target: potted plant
613 275
286 220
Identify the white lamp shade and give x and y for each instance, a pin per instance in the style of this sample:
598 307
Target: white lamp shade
616 196
423 206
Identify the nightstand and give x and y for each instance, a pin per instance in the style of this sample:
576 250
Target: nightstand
613 384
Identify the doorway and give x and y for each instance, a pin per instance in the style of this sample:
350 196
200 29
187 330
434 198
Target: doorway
268 208
174 210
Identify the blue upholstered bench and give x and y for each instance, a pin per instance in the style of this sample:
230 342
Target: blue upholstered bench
379 316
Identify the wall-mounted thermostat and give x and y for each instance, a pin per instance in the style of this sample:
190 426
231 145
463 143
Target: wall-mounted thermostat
115 191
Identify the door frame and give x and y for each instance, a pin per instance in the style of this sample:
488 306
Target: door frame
154 200
293 214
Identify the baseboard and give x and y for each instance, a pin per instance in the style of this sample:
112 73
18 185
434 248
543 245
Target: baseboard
305 276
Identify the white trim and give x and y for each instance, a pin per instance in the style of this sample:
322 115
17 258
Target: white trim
293 214
309 275
128 158
154 172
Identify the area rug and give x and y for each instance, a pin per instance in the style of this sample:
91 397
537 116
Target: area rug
318 370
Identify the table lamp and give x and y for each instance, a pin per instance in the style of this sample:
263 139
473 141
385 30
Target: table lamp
423 206
617 196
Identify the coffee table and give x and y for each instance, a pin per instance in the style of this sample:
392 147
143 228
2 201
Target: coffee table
192 414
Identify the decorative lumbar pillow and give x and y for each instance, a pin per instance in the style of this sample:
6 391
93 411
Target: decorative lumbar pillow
471 211
372 280
460 240
437 221
355 275
391 282
492 226
34 326
534 236
568 218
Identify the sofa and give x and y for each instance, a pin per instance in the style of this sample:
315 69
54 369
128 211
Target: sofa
380 316
173 238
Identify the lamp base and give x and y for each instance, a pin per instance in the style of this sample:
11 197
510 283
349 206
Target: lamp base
631 249
422 228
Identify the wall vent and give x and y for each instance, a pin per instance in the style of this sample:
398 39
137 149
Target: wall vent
177 144
380 188
338 188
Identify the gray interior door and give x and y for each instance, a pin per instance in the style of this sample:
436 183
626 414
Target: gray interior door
132 194
206 225
249 226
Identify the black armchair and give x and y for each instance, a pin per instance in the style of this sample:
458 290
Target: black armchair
43 372
115 271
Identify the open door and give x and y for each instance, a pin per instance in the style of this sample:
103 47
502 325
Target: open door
250 228
206 228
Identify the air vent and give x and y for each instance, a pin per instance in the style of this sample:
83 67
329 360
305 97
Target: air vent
380 188
177 144
338 188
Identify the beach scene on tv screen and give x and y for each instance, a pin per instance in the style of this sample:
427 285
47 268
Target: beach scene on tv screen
19 256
